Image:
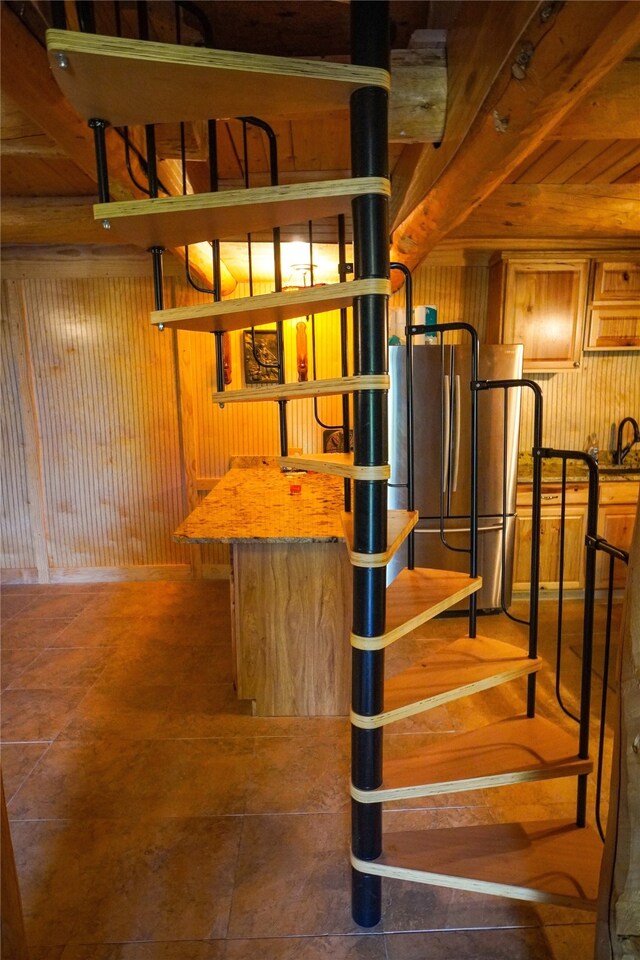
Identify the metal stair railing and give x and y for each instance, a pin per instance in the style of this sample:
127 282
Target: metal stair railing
614 554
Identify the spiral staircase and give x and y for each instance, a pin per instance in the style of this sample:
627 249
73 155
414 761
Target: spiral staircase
118 82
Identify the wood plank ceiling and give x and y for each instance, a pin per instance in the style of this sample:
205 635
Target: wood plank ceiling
541 143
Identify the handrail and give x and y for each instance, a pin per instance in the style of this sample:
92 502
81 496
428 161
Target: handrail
587 631
536 509
614 553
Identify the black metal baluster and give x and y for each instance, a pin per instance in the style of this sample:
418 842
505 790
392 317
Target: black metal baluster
587 636
563 511
58 15
603 702
536 517
86 16
99 126
158 287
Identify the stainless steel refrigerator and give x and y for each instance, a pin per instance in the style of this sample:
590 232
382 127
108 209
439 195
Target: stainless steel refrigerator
442 449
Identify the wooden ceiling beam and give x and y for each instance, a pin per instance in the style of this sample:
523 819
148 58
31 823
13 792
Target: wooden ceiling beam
26 77
570 54
50 220
610 108
528 210
20 137
479 42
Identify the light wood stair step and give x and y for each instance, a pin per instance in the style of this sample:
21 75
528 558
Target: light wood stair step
235 314
179 221
400 523
308 388
516 750
546 862
414 597
130 82
463 668
338 464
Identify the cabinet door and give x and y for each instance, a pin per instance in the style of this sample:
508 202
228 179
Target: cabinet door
544 309
616 280
615 524
550 534
613 326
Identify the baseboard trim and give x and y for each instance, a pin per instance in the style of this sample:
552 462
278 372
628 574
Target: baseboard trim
173 571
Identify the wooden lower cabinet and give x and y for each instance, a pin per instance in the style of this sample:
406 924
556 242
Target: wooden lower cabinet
616 518
291 605
550 536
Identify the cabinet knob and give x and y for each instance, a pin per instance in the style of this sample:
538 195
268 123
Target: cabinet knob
576 363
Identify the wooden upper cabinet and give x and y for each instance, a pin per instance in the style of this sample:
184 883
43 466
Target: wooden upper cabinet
616 280
541 303
613 321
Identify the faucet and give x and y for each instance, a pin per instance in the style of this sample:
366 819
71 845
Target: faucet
621 452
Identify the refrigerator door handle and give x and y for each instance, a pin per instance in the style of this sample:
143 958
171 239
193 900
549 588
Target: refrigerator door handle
446 434
456 434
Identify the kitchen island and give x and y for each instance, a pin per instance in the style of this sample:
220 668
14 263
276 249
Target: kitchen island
290 586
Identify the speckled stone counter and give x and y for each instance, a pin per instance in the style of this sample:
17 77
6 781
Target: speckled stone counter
290 586
255 504
577 471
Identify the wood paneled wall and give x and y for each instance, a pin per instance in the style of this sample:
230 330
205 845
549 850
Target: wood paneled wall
109 434
92 447
459 293
593 399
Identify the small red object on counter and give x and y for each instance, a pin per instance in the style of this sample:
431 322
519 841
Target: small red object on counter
295 488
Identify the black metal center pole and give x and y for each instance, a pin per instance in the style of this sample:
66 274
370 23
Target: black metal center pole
369 108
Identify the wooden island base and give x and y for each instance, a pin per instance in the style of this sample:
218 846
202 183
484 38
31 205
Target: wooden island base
291 621
290 587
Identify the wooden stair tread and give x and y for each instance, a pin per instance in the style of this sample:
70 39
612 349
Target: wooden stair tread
548 861
308 388
130 82
463 668
400 523
235 314
416 596
338 464
182 220
516 750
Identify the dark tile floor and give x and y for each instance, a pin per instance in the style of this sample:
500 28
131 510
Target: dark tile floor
153 818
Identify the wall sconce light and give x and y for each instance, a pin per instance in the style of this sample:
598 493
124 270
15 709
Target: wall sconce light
301 351
300 276
226 358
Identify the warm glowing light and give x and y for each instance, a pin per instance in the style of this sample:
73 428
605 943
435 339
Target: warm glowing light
293 254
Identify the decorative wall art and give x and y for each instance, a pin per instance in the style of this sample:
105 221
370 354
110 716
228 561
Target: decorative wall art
260 354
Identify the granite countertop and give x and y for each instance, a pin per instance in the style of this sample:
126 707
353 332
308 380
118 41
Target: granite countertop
577 470
253 504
